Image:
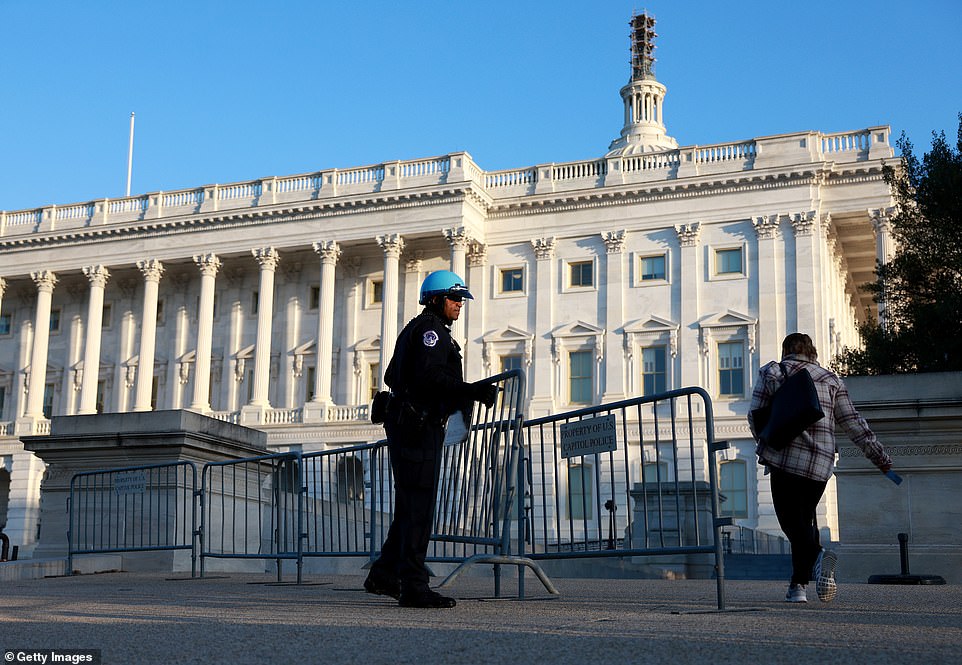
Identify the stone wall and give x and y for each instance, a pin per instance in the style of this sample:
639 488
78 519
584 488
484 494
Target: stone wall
918 418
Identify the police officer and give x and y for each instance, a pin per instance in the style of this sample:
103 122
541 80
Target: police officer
426 379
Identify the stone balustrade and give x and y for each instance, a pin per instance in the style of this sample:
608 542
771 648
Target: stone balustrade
691 161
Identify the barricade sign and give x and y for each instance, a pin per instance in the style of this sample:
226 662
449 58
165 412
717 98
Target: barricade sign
589 436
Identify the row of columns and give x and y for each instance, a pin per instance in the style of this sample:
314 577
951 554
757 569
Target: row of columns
209 264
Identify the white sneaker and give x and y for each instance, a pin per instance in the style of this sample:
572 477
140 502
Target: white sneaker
796 594
824 574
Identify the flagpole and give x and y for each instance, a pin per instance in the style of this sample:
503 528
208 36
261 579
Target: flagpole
130 152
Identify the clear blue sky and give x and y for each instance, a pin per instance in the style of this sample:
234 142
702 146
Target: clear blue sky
230 91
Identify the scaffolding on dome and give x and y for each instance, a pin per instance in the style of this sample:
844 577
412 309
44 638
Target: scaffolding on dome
642 46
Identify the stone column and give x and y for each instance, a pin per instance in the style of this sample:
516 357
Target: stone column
3 289
884 250
412 285
208 264
316 410
459 239
45 281
152 270
267 258
614 301
476 311
806 276
392 245
689 279
542 395
98 276
770 317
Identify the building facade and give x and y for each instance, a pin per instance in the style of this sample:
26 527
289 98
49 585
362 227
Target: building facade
275 303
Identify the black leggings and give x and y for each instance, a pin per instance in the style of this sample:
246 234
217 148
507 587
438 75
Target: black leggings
796 499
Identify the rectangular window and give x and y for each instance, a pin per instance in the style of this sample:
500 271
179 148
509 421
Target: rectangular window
731 369
509 363
581 274
580 492
160 312
154 389
255 301
309 381
653 268
733 485
373 379
101 392
315 297
250 385
6 325
580 383
654 370
107 316
512 280
3 399
55 320
376 292
48 392
728 262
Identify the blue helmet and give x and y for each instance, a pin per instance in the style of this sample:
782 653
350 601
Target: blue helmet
443 283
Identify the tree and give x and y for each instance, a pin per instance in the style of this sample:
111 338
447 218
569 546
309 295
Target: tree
919 292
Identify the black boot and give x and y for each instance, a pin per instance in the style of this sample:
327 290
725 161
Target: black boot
425 598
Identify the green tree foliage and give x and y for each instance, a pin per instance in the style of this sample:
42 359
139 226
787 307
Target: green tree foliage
919 292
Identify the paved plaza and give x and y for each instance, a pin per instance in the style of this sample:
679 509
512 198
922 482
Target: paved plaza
135 618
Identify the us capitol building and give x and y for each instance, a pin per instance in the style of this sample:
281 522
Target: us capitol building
275 303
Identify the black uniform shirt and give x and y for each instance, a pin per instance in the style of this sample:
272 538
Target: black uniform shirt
427 368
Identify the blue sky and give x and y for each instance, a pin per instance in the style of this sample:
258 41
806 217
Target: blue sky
231 91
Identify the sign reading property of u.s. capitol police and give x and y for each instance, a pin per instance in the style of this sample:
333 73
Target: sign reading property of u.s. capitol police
590 436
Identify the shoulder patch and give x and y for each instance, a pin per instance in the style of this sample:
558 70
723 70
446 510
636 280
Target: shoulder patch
430 338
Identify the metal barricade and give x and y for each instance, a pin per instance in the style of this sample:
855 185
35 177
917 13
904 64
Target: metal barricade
635 478
252 508
133 509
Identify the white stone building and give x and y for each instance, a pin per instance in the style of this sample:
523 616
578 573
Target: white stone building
275 302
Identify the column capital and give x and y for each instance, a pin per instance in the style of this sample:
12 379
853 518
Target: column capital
766 226
209 264
328 250
151 269
266 257
392 244
478 256
458 238
543 247
414 263
614 241
44 279
803 223
882 219
98 275
688 233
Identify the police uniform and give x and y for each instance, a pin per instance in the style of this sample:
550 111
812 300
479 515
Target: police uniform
427 380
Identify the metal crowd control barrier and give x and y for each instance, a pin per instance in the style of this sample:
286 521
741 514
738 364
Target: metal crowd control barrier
135 509
635 478
252 508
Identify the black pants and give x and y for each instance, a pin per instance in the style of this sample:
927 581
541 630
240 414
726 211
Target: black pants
416 463
796 499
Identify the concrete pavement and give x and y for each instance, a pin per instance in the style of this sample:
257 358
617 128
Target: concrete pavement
154 618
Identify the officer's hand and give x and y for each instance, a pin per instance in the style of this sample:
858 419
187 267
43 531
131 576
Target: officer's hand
486 393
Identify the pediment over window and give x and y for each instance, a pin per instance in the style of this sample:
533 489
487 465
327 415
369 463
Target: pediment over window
246 353
368 344
577 329
653 324
728 322
727 319
509 334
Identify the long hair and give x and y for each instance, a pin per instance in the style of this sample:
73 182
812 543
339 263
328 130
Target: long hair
799 344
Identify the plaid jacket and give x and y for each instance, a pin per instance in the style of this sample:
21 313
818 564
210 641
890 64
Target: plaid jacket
812 453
